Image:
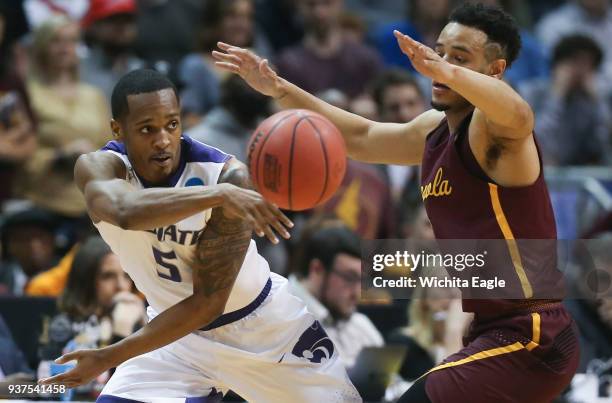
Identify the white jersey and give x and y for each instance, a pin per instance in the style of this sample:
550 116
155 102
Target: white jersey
158 259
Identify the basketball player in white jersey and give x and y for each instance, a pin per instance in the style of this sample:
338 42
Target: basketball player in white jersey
179 214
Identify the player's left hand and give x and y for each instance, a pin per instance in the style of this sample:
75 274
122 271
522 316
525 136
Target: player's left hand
90 364
424 59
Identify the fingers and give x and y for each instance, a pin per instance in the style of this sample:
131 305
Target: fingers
269 213
226 57
70 379
228 66
68 357
262 227
282 217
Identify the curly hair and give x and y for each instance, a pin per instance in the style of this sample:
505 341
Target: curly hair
498 25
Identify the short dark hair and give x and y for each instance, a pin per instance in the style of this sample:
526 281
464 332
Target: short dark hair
570 46
139 81
498 25
326 242
390 78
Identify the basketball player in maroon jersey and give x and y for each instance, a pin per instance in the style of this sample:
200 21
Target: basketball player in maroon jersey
481 179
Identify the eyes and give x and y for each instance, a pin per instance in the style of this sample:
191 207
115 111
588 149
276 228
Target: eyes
453 57
171 126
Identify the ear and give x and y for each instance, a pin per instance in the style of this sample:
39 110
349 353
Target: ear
497 68
116 129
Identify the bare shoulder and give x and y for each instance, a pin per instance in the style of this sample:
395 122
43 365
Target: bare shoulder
97 165
235 172
427 121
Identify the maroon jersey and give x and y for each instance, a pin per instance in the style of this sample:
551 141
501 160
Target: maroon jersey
463 203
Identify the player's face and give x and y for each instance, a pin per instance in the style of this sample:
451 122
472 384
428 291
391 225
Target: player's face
343 286
110 280
151 131
463 46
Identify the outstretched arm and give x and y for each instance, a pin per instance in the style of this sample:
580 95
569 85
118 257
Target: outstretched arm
220 252
111 198
505 110
388 143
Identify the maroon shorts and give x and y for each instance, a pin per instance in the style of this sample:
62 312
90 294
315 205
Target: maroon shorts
524 358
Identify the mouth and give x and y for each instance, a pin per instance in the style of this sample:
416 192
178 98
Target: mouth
162 159
439 86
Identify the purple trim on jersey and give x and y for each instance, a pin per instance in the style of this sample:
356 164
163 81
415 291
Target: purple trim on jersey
214 397
234 316
114 399
200 152
116 146
191 151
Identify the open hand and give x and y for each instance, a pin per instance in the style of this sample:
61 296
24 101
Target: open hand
424 59
249 205
90 364
252 68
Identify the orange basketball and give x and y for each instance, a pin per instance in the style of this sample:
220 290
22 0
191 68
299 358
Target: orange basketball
297 159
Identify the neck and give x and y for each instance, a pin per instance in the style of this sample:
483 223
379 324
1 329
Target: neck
60 77
324 44
454 118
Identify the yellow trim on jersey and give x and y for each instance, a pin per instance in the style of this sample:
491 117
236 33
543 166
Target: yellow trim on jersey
512 246
535 338
510 348
479 356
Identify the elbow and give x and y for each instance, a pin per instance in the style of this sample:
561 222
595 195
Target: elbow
123 215
524 120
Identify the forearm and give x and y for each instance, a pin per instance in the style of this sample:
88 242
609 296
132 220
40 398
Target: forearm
353 128
174 323
158 207
496 99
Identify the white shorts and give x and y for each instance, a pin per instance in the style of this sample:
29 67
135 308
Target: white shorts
277 353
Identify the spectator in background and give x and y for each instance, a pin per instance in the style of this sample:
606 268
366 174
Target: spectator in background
325 59
13 364
378 12
229 125
591 307
40 11
280 22
110 31
399 99
590 17
51 283
97 308
28 248
230 21
574 119
363 202
72 119
425 20
327 278
167 31
436 326
17 137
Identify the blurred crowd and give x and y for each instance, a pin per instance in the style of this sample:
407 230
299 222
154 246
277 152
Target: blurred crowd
59 61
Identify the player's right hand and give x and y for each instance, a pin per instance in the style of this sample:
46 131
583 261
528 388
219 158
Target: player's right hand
265 217
252 68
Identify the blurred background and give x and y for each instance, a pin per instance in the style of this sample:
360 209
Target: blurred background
61 288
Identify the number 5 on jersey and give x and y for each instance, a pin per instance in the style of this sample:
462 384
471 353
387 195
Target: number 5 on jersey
164 259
